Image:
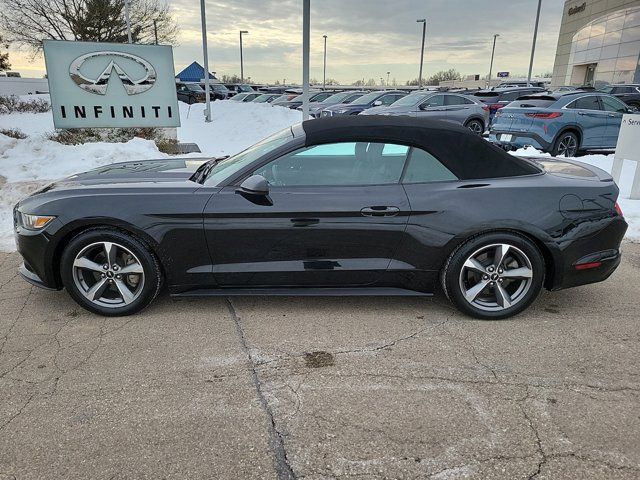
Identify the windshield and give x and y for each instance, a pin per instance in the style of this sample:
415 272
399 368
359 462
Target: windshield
194 88
262 98
239 97
411 100
229 166
606 89
366 99
245 88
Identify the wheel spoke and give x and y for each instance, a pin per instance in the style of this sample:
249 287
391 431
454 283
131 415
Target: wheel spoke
96 291
502 296
131 268
474 291
522 272
474 264
84 262
126 294
110 250
500 254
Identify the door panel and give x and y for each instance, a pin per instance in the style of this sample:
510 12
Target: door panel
305 236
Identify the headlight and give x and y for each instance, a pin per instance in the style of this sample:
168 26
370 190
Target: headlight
35 222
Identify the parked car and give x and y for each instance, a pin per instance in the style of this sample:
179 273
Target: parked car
190 93
497 98
314 97
372 99
422 205
335 99
236 88
629 94
245 97
218 91
266 98
565 123
573 88
453 107
522 83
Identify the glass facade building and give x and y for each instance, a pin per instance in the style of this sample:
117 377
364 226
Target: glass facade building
599 43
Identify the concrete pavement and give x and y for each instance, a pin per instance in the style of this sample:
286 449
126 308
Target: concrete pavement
256 387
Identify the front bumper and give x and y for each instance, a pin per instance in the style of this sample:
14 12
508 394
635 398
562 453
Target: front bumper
37 252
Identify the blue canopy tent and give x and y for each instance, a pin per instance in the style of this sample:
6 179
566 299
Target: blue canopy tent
193 73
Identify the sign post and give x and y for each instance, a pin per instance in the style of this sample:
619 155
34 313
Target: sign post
627 149
111 85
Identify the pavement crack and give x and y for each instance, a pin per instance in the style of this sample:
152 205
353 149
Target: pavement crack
541 453
276 441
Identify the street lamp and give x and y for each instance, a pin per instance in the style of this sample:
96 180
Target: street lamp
388 73
423 21
127 18
324 68
207 92
533 46
493 51
241 61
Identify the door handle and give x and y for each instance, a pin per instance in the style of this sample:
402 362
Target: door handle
380 211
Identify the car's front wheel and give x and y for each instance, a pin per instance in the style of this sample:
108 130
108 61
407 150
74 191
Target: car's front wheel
109 272
494 276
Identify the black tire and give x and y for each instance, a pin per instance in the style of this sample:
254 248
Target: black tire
452 275
564 139
476 126
75 282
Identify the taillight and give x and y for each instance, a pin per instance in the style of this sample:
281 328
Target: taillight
485 108
496 106
619 210
547 116
588 266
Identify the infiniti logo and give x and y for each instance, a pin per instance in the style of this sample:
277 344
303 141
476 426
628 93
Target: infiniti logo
133 84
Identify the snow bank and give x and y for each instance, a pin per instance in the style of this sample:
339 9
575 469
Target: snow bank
630 208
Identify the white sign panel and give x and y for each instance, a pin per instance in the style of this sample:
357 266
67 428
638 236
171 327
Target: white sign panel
628 148
111 85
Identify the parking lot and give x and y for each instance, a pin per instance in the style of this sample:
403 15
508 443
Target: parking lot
321 387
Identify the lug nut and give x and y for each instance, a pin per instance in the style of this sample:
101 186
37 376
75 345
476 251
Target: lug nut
115 268
500 280
485 277
490 269
500 270
105 266
118 276
102 275
492 283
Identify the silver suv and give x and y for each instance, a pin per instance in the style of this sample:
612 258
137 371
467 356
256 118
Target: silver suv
453 107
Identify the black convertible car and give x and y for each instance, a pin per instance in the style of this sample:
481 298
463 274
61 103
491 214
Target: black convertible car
339 206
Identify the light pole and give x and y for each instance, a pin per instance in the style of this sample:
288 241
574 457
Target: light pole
324 68
388 73
241 60
423 21
493 51
127 18
533 46
205 53
306 28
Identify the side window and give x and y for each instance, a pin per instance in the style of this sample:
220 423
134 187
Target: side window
338 164
612 104
435 101
424 168
456 100
511 96
586 103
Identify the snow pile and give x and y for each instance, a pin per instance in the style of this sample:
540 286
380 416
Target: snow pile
234 125
630 208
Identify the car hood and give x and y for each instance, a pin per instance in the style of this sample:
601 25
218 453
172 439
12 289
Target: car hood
139 172
343 106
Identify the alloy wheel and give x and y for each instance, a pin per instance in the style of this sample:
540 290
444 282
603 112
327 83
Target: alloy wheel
496 277
568 146
475 126
108 274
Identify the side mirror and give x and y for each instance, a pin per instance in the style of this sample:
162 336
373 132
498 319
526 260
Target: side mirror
424 106
255 185
377 103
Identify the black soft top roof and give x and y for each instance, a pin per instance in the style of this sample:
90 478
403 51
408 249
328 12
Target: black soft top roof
466 154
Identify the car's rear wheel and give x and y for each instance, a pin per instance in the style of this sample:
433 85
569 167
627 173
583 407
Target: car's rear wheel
566 145
476 126
110 273
494 276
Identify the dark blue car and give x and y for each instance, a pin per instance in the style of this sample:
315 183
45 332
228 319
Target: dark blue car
562 123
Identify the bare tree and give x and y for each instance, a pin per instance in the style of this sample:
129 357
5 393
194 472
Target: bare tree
29 22
4 57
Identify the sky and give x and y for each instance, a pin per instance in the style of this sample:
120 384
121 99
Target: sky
366 38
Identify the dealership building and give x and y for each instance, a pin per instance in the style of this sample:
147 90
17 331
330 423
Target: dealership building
599 43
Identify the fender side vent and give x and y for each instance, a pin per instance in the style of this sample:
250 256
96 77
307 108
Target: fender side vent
474 185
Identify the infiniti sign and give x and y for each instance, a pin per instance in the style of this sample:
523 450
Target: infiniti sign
103 85
99 84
